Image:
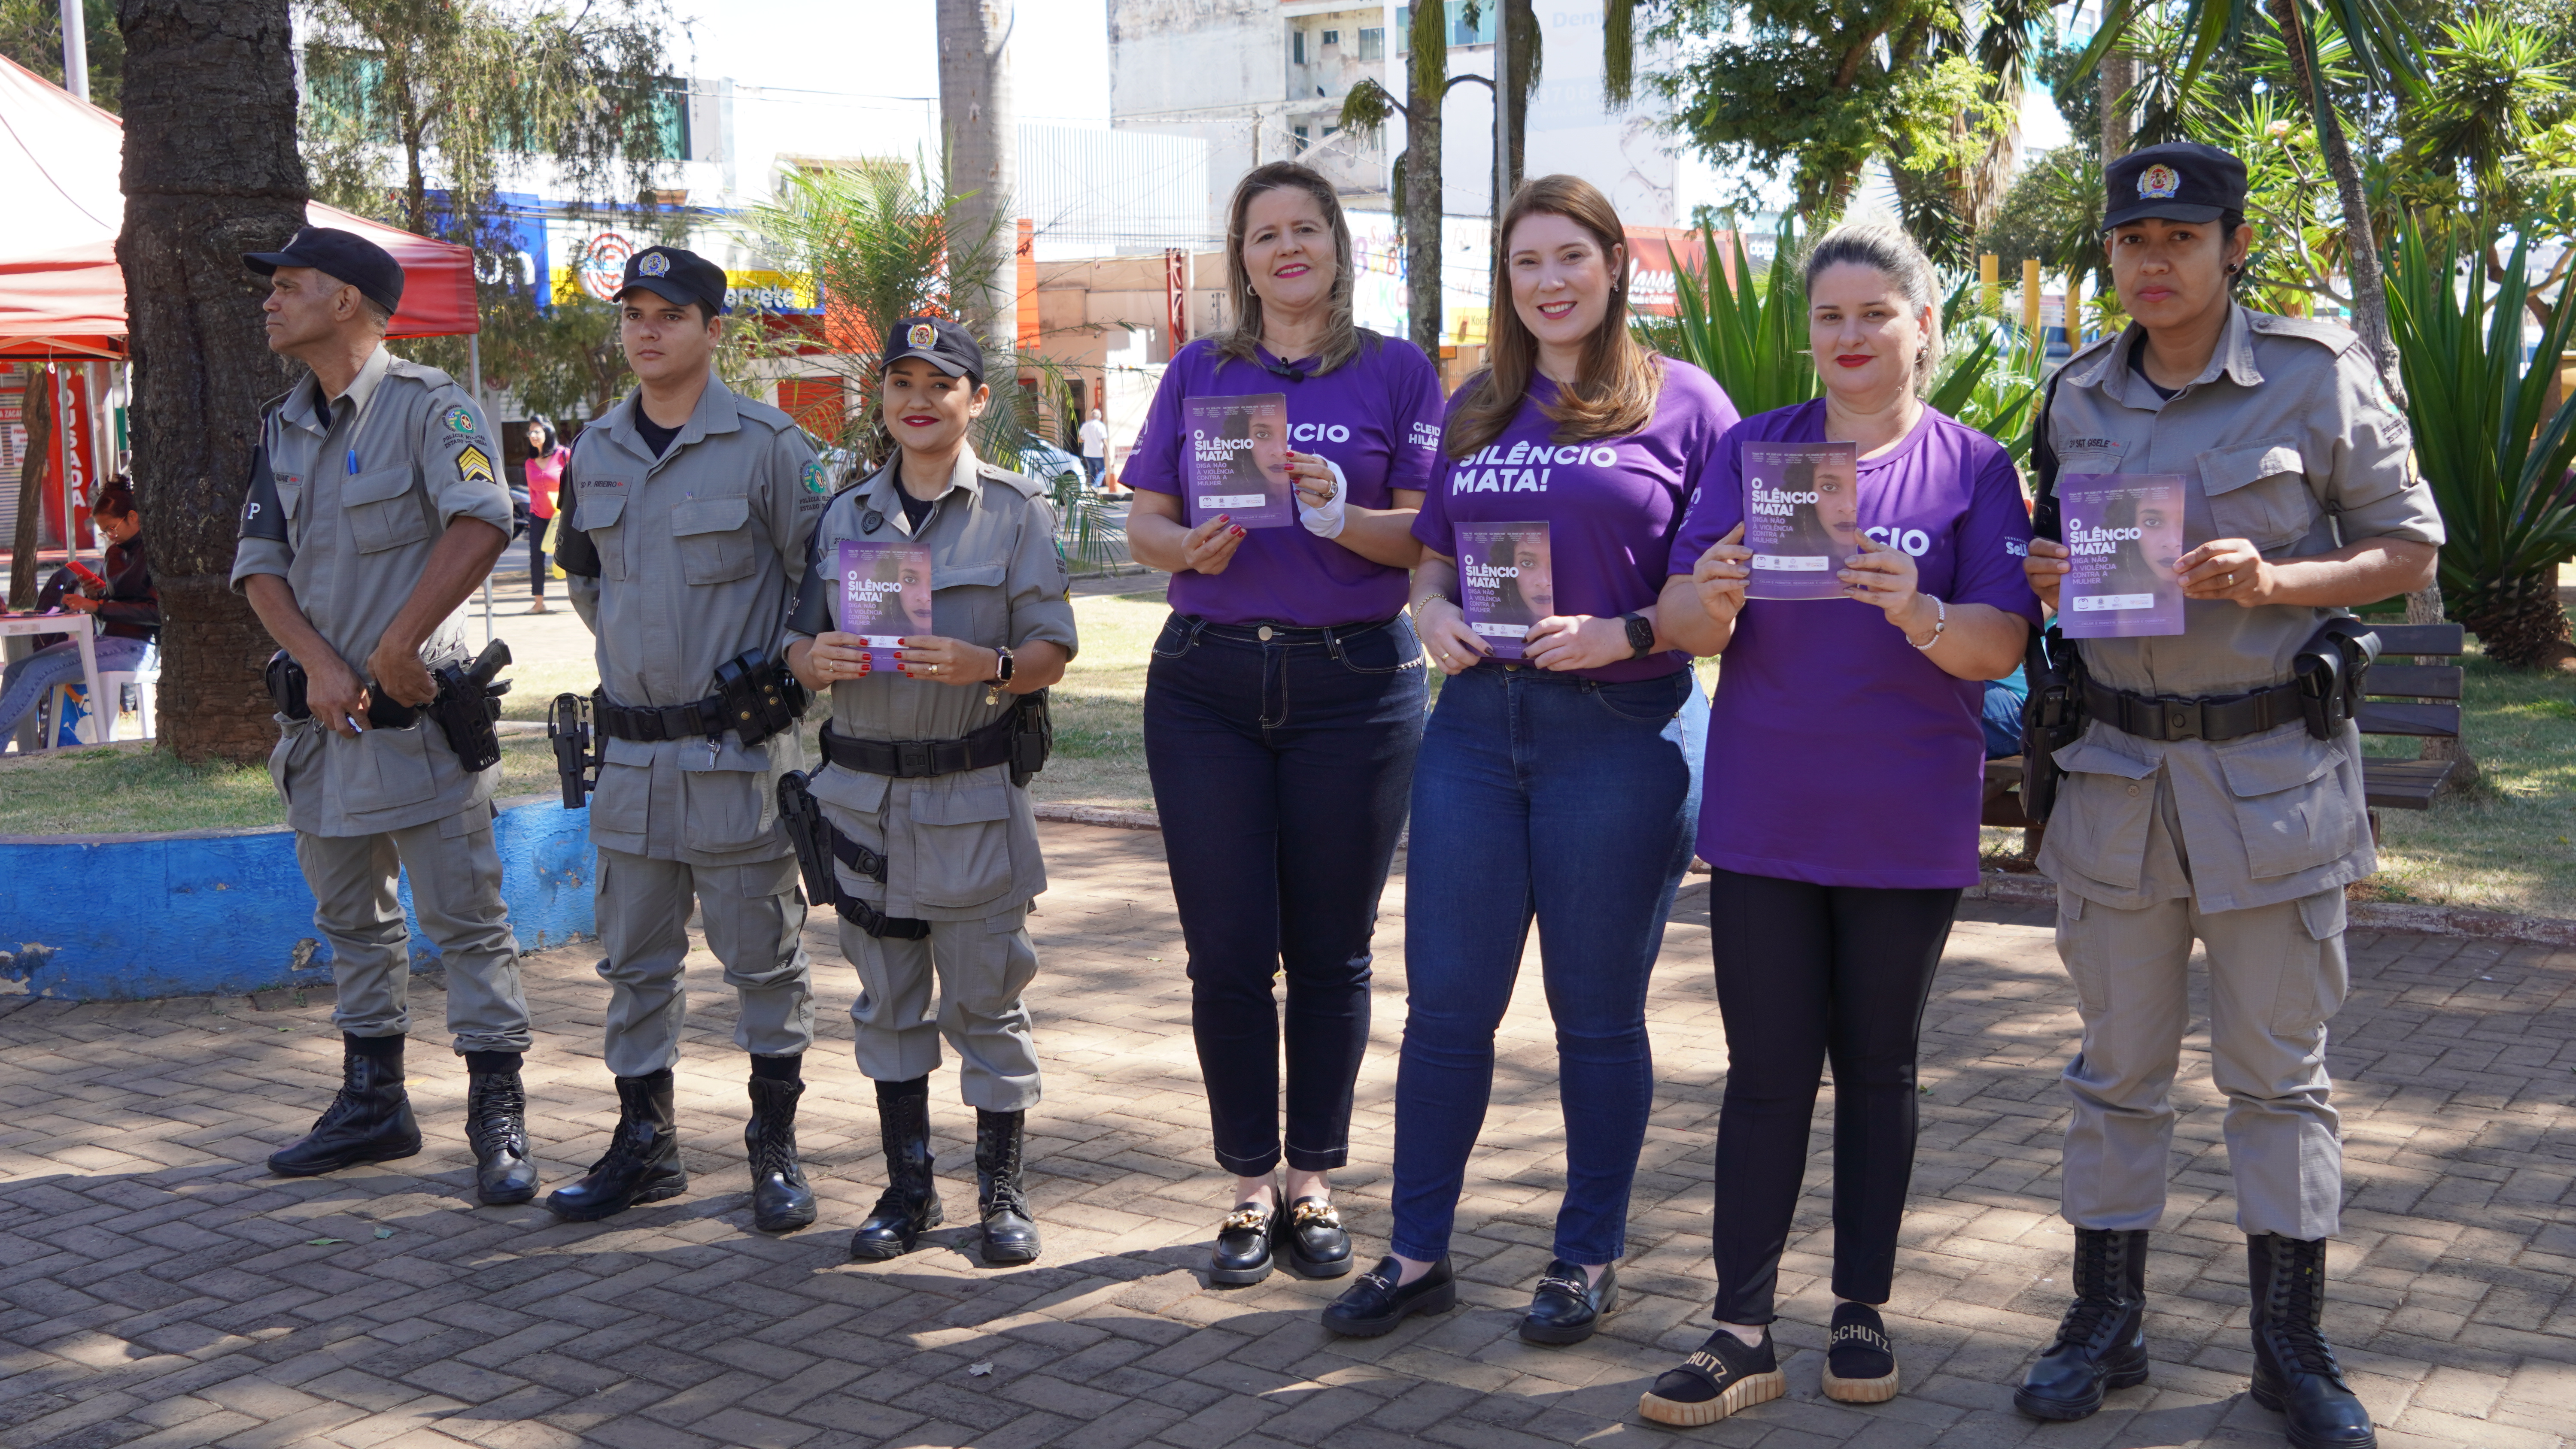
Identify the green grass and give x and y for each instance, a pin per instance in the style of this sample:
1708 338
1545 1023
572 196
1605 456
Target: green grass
117 791
1099 708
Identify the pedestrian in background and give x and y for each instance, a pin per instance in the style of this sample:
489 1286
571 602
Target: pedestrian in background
1283 707
1095 447
544 473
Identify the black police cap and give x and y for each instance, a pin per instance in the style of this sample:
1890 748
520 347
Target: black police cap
941 343
676 275
2176 181
341 255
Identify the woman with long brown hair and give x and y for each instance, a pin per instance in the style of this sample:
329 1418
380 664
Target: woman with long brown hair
1559 777
1284 702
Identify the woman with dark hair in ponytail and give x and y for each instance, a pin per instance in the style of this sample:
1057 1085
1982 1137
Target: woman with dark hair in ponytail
128 609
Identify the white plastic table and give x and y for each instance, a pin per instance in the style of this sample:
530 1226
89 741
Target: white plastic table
84 630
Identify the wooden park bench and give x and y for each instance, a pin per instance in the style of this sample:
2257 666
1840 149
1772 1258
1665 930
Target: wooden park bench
2405 698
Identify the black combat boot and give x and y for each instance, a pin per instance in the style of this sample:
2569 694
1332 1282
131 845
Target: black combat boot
369 1121
2101 1344
1010 1229
496 1126
2295 1373
910 1204
781 1202
643 1160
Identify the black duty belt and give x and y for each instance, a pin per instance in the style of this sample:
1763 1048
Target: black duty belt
698 720
880 925
919 759
2230 717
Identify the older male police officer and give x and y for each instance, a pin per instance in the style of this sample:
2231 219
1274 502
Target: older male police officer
374 510
2215 793
691 506
921 831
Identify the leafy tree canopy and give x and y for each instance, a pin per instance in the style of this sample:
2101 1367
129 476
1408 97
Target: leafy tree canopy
31 33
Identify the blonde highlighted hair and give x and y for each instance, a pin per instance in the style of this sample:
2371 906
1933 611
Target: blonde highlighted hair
1342 337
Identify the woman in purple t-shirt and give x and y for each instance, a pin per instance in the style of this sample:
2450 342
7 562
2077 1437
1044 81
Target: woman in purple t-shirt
1560 772
1845 769
1284 702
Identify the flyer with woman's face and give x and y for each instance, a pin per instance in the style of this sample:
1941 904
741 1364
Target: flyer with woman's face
1238 462
1506 582
885 595
2123 533
1801 517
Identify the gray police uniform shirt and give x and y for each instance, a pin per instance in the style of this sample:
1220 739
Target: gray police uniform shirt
347 515
699 552
965 846
2298 449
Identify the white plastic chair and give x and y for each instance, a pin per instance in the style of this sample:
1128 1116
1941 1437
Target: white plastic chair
99 726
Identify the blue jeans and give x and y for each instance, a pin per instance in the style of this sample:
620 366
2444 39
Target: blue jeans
1540 795
1094 467
23 684
1281 769
2002 714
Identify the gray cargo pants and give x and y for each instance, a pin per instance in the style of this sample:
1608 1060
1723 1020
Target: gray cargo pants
753 921
456 890
981 968
2276 974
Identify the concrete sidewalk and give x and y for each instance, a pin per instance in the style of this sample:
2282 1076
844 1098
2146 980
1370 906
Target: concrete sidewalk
160 1289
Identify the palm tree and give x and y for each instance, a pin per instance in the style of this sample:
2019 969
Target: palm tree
983 154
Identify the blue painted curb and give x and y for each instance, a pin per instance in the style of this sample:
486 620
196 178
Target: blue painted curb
225 912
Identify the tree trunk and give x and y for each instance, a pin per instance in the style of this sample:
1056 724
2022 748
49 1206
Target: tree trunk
983 159
2361 244
36 415
211 171
2521 623
1522 59
1426 84
2118 76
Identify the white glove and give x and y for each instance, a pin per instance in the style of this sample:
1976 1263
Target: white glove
1326 521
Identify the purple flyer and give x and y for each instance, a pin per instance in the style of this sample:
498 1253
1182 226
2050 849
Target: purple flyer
1505 582
2123 533
1801 517
885 595
1238 461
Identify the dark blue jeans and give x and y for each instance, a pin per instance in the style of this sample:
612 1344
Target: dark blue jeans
1281 768
1549 797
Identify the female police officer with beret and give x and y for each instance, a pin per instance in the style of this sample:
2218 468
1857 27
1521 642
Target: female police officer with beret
934 845
2197 803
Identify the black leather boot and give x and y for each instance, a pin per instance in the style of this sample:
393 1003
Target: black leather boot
2101 1344
1010 1229
2295 1373
369 1121
909 1206
496 1126
781 1202
643 1160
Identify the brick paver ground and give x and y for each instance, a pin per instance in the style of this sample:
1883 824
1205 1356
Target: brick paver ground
159 1289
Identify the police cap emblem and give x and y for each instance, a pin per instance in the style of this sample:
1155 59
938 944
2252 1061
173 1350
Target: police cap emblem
653 264
921 335
2158 183
458 420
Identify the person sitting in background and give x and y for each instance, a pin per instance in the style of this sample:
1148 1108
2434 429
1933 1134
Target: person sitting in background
128 610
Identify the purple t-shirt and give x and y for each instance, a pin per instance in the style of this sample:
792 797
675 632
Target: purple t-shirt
1611 505
1837 752
1377 415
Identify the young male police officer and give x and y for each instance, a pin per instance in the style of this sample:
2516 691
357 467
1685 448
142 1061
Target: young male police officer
2199 802
690 509
375 509
935 846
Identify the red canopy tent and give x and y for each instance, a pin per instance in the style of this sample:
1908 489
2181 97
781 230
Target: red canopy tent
61 292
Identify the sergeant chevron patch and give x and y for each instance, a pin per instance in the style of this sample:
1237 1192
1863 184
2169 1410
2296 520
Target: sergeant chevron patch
473 465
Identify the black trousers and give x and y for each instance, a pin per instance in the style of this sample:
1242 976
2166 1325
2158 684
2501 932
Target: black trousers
537 556
1282 769
1806 974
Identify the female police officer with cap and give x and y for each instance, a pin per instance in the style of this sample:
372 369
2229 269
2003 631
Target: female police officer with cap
2197 804
936 845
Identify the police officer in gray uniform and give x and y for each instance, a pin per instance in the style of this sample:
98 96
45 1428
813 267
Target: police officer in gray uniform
2215 791
690 510
924 833
374 510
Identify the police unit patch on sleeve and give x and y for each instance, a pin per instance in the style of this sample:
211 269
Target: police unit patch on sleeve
473 465
458 419
814 476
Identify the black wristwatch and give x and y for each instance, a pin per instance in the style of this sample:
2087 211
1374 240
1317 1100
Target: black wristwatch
1641 635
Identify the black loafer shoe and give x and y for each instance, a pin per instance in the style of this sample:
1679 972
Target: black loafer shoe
1375 1305
1723 1377
1318 1245
1243 1245
1568 1308
1860 1359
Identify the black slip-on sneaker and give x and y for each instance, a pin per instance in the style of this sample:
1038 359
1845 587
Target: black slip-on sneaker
1722 1378
1860 1360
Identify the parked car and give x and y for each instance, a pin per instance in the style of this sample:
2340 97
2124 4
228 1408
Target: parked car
1042 459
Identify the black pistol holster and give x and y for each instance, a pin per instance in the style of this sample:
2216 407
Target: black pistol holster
466 705
818 846
2051 718
2332 668
1032 735
576 752
759 698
